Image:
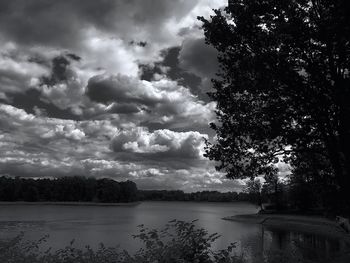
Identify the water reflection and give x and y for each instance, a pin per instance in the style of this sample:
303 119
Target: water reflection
116 225
289 246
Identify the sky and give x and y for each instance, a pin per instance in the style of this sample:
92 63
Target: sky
108 88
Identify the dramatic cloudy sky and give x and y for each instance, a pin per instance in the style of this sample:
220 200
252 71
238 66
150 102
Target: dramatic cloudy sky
108 89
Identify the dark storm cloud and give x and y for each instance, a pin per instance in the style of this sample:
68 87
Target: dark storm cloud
42 22
192 65
107 89
200 59
30 100
174 71
60 70
147 72
128 95
62 87
29 97
124 108
62 23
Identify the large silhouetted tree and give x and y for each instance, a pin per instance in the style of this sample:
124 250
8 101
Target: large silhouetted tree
283 86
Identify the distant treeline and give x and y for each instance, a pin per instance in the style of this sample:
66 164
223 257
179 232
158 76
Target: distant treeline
67 189
205 196
87 189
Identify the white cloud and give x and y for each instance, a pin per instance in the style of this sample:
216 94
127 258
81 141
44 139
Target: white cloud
166 143
68 131
17 73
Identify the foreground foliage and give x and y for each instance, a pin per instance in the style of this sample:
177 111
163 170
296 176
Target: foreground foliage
178 241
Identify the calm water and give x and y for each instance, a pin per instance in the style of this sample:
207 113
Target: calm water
112 225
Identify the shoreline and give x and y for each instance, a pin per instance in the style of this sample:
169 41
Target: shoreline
69 203
307 224
108 204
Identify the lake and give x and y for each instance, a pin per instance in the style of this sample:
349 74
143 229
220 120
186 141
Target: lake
112 225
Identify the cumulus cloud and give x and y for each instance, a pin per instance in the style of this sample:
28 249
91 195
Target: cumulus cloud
42 147
29 132
31 126
68 131
17 72
78 100
162 143
162 101
41 141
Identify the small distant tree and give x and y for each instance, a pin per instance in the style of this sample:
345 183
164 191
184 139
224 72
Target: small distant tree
273 189
254 189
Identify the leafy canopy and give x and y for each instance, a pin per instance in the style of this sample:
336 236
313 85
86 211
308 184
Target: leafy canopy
283 84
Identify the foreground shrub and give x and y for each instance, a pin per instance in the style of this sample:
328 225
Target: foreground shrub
177 242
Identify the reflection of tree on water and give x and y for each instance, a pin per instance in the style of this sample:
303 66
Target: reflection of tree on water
287 245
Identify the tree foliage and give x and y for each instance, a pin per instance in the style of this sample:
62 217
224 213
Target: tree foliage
283 87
